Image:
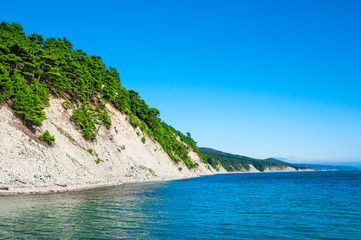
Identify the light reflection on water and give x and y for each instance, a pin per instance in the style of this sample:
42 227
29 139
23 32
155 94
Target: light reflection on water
114 212
314 205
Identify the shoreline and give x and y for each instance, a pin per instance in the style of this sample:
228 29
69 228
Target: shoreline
59 188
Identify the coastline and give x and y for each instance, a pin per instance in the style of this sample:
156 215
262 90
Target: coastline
28 166
59 188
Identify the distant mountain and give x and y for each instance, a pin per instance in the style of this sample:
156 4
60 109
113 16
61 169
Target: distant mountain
238 163
277 160
317 167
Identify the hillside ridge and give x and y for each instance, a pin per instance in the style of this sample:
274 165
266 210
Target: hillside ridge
238 163
66 123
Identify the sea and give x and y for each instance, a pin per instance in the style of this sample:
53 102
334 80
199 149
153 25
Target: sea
290 205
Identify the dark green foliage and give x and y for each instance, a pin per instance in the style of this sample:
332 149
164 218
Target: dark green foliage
6 85
2 98
41 91
149 122
67 105
143 139
52 65
233 163
143 127
90 151
86 120
46 137
25 103
133 121
32 67
103 116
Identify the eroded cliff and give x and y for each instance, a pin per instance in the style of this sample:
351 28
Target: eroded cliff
117 156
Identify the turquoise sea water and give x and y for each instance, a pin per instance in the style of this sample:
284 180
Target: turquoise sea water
303 205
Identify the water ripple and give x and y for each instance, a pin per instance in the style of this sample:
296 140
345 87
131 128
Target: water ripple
316 205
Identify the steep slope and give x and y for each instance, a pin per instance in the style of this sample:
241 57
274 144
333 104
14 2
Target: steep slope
31 68
92 130
29 165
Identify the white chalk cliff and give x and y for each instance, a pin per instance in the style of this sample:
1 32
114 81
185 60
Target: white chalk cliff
28 165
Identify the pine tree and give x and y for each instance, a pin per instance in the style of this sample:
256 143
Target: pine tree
26 104
31 68
6 85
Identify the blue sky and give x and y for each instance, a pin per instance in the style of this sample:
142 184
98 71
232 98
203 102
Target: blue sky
256 78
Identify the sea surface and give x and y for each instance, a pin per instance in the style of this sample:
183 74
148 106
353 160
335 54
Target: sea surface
300 205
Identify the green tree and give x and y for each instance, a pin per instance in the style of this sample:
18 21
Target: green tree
86 120
46 137
27 105
32 68
6 85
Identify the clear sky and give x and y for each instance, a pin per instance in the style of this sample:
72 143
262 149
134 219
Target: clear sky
259 78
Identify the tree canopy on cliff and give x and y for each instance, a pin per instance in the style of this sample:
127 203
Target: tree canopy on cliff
32 67
234 163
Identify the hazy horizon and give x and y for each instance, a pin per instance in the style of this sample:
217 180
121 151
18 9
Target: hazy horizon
336 162
255 78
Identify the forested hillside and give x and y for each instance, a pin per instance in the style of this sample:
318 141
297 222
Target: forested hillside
33 68
235 163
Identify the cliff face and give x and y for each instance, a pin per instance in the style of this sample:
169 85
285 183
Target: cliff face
29 165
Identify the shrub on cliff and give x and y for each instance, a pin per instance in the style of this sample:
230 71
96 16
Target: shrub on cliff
46 137
85 119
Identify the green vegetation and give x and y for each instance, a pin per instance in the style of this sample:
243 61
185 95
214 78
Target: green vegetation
98 160
32 68
143 139
67 105
90 151
296 166
85 119
46 137
233 163
103 116
134 121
